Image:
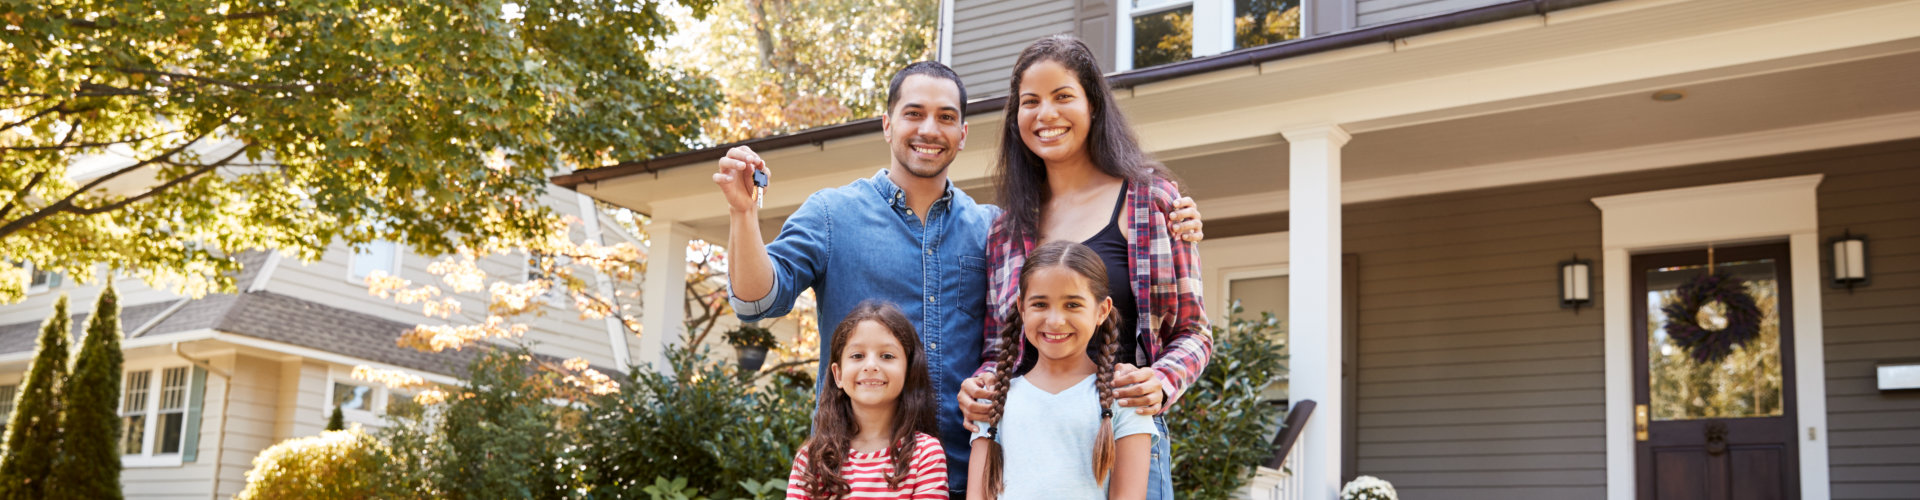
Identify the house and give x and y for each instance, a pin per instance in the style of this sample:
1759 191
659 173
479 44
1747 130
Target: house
211 382
1408 182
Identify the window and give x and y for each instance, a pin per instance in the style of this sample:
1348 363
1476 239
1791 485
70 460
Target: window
41 280
379 255
537 265
1156 32
352 397
7 393
153 412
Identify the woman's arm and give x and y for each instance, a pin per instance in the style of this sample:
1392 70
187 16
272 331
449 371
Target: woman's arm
1183 329
1129 479
977 470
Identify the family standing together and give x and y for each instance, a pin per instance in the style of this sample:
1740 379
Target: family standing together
1029 350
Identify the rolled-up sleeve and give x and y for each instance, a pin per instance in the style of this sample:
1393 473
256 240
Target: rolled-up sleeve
800 253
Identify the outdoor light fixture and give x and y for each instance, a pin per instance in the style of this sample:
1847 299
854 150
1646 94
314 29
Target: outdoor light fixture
1576 283
1669 95
1849 260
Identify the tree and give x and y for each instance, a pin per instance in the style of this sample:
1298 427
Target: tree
166 137
89 463
788 65
33 434
336 421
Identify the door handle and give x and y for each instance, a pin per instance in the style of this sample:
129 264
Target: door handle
1640 422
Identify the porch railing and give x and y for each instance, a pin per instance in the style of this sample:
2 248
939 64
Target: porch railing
1272 480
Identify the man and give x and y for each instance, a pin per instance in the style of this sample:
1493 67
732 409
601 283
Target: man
905 235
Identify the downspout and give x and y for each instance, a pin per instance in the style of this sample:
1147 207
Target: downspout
220 431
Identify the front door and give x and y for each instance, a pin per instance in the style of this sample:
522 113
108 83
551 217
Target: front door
1715 429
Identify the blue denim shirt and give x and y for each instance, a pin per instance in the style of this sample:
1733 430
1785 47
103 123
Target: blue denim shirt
861 241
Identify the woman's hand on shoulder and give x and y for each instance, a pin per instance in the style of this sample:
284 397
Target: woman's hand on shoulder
1186 220
976 399
1139 388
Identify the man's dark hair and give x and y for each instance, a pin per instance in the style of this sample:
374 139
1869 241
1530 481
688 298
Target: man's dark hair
929 68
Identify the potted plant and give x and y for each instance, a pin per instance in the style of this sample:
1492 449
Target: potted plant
750 342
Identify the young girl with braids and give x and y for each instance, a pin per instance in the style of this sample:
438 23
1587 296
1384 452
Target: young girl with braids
1055 430
872 428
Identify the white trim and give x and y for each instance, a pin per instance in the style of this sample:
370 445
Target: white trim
1231 257
616 332
1640 158
946 33
1770 209
273 262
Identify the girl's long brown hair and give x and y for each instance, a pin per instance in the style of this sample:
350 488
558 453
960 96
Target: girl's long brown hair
834 425
1086 263
1021 176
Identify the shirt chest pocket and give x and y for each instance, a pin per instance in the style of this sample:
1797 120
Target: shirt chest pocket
968 286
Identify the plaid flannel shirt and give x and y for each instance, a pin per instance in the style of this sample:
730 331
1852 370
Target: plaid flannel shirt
1173 324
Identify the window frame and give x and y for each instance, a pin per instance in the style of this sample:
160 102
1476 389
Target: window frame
8 393
36 289
156 374
1206 42
354 255
373 416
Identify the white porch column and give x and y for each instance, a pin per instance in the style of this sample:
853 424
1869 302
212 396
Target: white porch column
1313 302
663 294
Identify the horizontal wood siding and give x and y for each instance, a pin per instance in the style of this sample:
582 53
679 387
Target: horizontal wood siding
989 34
1377 12
1473 383
560 332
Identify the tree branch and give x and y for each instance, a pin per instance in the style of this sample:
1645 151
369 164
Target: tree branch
22 194
156 190
66 204
35 116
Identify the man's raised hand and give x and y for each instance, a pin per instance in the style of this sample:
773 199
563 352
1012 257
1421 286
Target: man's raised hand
735 177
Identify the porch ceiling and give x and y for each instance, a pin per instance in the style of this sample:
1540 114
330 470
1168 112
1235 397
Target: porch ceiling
1518 94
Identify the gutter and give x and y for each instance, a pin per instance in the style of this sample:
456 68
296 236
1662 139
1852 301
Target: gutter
1244 57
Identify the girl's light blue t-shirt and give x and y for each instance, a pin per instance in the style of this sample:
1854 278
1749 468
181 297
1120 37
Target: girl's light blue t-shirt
1048 440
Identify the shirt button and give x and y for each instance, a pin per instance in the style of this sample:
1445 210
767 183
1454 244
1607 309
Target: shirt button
929 298
929 251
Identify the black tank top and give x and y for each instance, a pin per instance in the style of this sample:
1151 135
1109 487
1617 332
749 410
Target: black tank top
1111 244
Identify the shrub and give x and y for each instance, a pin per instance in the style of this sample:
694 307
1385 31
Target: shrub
1221 427
33 434
89 463
333 465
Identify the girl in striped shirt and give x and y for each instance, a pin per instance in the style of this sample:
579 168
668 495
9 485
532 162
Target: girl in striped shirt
872 429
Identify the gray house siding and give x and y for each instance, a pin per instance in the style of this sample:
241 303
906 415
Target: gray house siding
1474 384
1378 12
989 34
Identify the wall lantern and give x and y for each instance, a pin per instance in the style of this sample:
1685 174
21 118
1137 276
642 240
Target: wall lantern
1576 283
1849 260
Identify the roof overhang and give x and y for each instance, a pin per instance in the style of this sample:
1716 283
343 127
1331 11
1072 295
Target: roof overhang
1472 102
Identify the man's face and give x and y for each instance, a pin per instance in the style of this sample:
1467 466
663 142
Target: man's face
924 129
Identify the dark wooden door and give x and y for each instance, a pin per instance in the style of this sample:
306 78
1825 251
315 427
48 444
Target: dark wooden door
1720 430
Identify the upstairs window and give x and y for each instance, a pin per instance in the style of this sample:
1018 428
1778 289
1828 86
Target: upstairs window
1156 32
379 255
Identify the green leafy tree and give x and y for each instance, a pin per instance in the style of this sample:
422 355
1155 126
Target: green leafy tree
89 463
1222 427
788 65
167 137
33 434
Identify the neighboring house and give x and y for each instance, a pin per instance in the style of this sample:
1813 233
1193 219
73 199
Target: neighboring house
211 382
1403 181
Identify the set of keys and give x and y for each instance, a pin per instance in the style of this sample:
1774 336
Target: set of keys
759 188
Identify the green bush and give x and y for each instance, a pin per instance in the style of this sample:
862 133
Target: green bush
1222 427
333 465
699 422
89 463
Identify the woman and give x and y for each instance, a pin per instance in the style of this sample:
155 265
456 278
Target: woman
1071 169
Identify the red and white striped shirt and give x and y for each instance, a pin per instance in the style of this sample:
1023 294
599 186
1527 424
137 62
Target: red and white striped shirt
867 473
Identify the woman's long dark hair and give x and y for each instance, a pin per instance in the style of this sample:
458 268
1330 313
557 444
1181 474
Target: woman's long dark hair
1022 176
1086 263
834 425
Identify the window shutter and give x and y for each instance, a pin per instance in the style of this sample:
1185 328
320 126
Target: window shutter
196 397
1093 24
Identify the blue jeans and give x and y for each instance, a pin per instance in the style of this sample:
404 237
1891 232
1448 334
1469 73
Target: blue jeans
1160 472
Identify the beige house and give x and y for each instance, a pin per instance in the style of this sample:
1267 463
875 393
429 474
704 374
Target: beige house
211 382
1408 182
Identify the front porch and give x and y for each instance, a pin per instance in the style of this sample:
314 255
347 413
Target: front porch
1414 197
